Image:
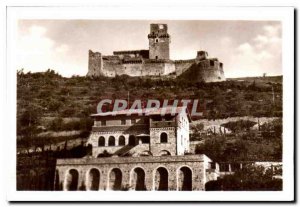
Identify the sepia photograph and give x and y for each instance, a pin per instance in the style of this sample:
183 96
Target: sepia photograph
152 104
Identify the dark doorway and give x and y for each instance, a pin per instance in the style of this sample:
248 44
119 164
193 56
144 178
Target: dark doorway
138 179
185 179
132 141
93 179
72 180
161 179
115 179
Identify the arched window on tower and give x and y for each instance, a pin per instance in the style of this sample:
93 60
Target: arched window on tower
163 137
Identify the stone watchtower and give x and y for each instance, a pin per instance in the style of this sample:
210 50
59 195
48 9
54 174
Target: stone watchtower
159 42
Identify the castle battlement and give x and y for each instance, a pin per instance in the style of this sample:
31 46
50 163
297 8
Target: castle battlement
155 61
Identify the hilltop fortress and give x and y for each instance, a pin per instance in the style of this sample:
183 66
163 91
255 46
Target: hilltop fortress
155 61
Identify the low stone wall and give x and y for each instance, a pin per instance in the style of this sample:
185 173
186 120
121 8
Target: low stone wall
219 122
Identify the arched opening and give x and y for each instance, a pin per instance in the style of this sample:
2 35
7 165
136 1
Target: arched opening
93 179
101 141
132 140
164 153
161 179
111 141
138 179
121 141
163 137
72 180
185 179
115 179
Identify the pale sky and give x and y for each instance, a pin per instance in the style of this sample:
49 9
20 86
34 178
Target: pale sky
247 48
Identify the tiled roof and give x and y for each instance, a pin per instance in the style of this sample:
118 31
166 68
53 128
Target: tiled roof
145 111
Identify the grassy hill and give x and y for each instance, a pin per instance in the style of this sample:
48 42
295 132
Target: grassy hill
48 102
52 95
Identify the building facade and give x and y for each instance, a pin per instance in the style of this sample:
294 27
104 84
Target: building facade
155 61
146 150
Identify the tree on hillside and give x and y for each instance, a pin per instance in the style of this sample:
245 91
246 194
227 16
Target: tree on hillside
27 126
213 147
196 132
249 178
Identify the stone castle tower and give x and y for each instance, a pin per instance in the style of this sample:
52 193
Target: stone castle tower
155 61
159 42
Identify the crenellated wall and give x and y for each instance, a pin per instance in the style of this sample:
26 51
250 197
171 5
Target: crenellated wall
207 70
155 61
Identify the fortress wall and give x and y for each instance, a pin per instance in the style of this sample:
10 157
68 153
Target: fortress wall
211 74
182 66
132 69
209 70
137 69
95 64
154 69
109 69
169 68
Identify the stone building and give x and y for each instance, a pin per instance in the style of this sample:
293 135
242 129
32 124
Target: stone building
155 61
138 150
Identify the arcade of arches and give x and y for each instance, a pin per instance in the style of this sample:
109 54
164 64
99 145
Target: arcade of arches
138 182
151 173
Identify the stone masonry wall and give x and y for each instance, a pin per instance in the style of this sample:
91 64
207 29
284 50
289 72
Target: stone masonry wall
148 164
95 64
110 66
182 66
157 147
137 69
160 49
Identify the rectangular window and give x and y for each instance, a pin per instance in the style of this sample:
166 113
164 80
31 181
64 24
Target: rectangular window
123 122
103 122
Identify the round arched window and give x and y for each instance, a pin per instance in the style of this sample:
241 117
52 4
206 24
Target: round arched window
163 137
121 140
101 141
111 141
